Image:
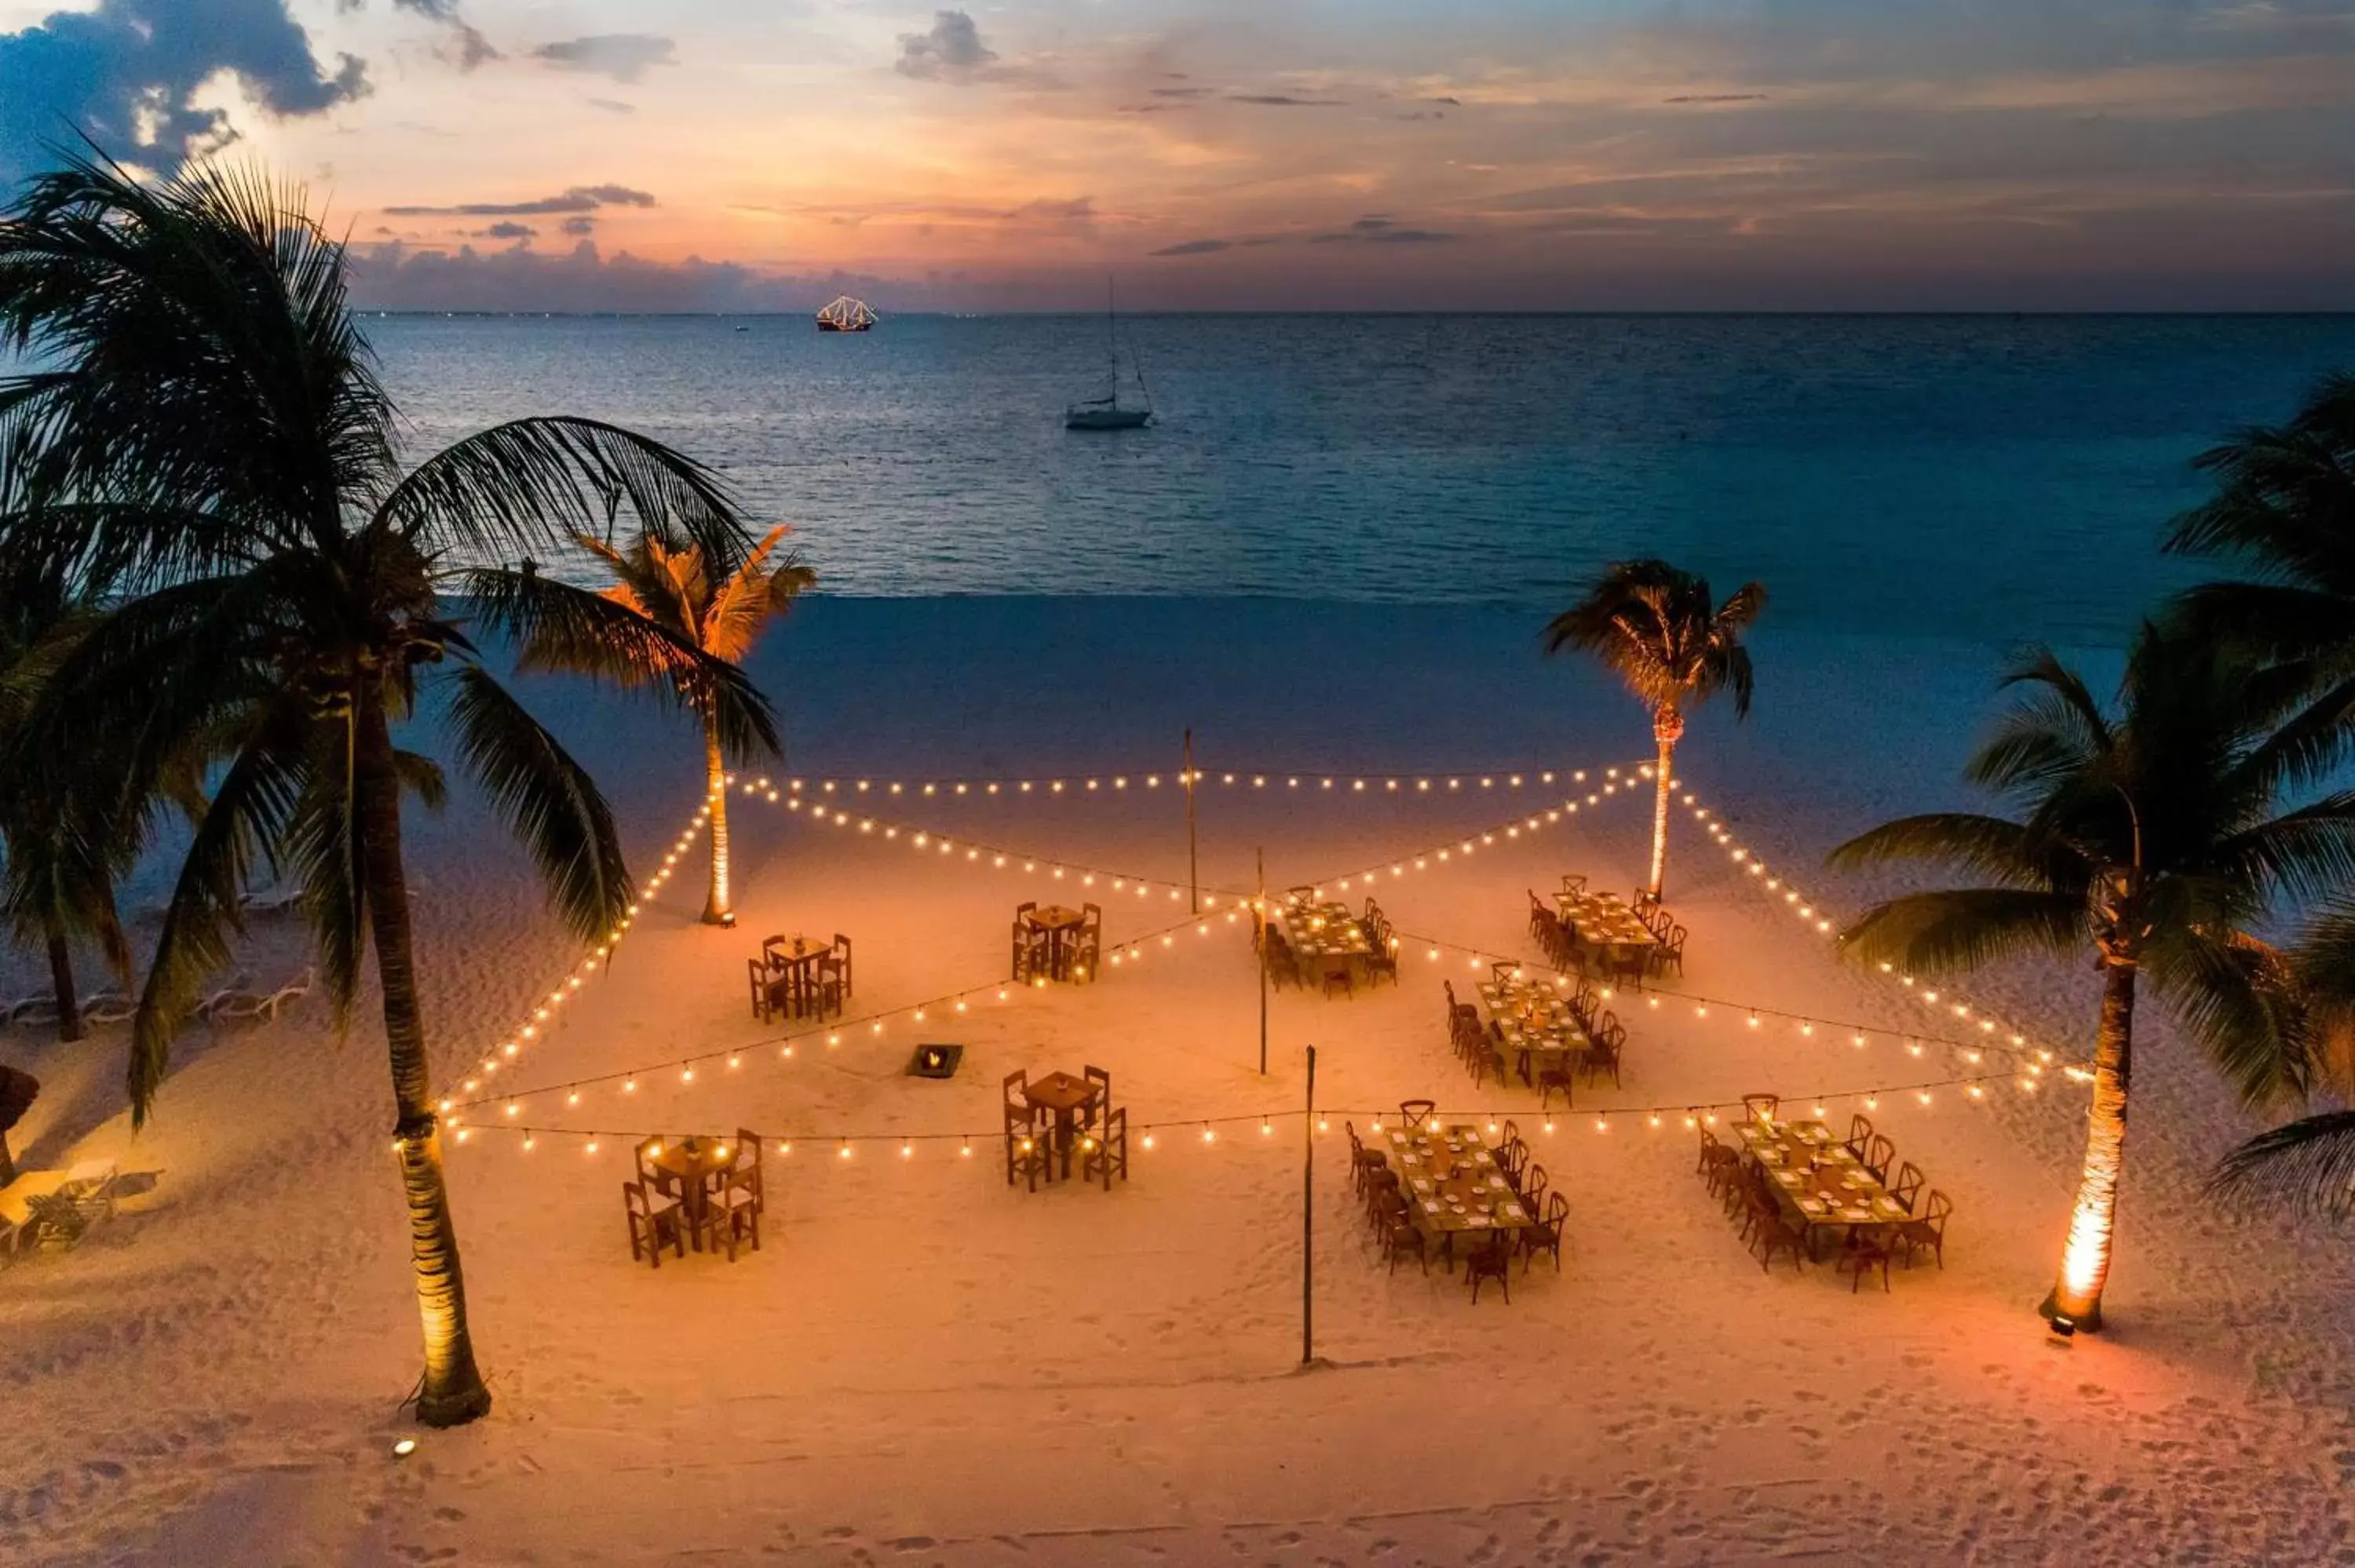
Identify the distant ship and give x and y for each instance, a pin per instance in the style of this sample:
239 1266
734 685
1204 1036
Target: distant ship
845 315
1107 412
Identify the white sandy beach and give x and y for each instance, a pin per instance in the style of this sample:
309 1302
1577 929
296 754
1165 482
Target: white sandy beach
924 1365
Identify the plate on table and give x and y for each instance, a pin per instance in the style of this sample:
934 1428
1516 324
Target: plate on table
1515 1212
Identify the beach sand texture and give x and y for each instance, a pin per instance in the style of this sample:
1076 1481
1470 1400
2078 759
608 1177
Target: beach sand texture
924 1365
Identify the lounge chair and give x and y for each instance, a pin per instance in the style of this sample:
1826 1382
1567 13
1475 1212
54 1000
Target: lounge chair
234 986
32 1010
242 1005
273 901
109 1007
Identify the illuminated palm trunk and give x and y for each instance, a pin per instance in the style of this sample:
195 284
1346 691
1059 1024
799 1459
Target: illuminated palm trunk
1667 728
451 1391
716 910
2085 1261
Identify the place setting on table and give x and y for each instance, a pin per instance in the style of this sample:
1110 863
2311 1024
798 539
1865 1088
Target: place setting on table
1452 1184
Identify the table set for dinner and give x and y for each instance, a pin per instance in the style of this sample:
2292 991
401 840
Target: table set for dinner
800 977
1453 1184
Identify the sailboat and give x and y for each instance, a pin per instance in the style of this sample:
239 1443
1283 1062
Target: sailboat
1107 412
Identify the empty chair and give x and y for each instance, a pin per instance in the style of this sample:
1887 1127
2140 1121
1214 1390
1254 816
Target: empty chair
1546 1234
1338 981
731 1209
1026 1152
1415 1113
757 973
1770 1233
1860 1134
745 1171
842 960
1573 882
654 1225
1024 950
1300 897
1506 969
1929 1229
252 1004
1401 1238
1670 954
1906 1185
1381 961
1761 1108
1866 1248
1362 1158
1492 1261
1876 1156
1558 1076
1101 1106
1106 1153
1533 1184
1600 1055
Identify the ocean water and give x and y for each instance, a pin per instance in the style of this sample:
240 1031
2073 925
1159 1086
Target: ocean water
1993 479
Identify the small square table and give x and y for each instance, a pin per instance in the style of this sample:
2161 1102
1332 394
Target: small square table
1066 1096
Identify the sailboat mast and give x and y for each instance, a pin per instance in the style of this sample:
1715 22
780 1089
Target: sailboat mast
1112 337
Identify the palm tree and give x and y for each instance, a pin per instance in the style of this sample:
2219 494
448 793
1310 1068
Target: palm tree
1663 632
62 856
718 615
2285 507
204 432
2150 840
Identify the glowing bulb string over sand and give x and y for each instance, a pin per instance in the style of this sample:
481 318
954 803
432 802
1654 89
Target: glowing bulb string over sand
2033 1061
1183 1131
926 840
1420 782
1771 885
699 1067
536 1025
1464 846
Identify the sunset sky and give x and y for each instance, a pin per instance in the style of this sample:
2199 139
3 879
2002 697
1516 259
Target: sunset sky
1516 154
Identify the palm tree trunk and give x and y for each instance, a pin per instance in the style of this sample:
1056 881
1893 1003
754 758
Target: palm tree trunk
61 982
2085 1261
7 1163
717 910
453 1389
1667 728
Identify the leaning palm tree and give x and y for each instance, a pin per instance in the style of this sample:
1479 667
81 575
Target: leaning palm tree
717 615
2151 841
1662 632
203 431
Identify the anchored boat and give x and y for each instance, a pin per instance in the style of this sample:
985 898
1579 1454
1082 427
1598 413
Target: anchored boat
1108 412
845 315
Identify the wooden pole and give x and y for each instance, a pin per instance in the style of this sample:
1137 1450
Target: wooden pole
1259 912
1193 864
1308 1219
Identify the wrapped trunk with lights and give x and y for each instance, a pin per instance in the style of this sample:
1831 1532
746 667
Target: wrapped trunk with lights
717 910
1667 728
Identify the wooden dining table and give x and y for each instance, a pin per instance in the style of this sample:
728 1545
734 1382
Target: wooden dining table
1818 1178
1603 922
694 1162
1325 939
1056 925
1453 1185
798 988
1064 1097
1536 1023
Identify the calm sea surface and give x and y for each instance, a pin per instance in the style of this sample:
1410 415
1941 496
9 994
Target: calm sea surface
1980 477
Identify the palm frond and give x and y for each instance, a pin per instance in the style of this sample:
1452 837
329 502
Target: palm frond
548 800
561 628
251 809
2237 997
536 483
2305 1166
1965 841
1962 928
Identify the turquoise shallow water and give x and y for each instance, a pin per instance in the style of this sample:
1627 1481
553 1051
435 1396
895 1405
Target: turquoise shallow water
1984 478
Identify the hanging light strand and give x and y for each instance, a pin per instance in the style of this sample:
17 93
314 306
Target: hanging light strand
948 1004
